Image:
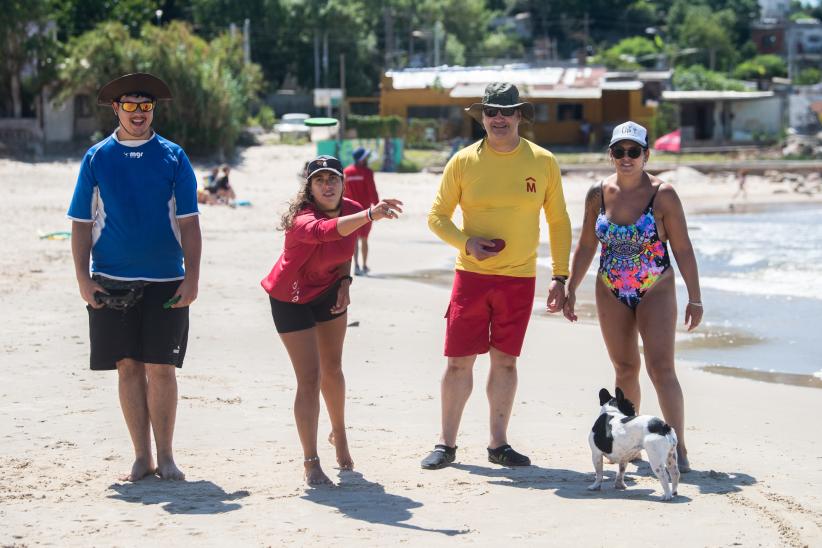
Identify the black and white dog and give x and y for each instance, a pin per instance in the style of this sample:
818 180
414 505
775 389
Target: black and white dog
619 434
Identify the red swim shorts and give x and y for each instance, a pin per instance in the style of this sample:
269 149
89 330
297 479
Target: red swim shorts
488 310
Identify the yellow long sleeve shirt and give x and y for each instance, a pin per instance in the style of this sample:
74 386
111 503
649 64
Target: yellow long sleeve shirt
501 195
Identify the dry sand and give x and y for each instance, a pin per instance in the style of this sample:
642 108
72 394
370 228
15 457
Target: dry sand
754 446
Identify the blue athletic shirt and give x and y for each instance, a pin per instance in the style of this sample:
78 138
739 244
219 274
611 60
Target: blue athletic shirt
134 196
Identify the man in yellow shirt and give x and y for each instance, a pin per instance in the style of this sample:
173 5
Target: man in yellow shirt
500 183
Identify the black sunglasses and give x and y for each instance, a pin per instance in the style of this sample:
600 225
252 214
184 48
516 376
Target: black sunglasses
633 152
491 112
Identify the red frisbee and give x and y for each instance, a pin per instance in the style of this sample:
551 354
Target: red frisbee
498 246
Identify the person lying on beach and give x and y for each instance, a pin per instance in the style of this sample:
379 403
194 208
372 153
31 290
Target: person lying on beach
308 291
634 215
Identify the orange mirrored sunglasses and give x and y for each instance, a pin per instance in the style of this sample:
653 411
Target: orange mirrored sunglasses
129 106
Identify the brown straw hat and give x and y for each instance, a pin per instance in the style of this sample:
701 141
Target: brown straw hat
141 83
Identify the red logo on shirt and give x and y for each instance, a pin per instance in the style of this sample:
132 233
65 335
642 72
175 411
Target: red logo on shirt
530 184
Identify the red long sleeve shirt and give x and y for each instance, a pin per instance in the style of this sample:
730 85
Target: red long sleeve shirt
312 254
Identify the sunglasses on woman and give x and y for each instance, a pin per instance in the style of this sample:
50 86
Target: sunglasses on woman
633 152
129 106
491 112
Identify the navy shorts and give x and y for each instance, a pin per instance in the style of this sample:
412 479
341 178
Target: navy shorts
146 332
290 317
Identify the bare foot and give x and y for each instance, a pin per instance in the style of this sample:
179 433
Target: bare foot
343 456
169 471
682 460
140 469
314 475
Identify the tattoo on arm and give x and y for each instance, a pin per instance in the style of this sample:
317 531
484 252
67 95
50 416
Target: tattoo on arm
592 201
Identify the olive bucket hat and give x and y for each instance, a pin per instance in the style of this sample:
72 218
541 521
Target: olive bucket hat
501 95
141 83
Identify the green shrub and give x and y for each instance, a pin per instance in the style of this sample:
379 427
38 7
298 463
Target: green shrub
408 166
416 134
372 127
761 67
697 77
212 86
808 77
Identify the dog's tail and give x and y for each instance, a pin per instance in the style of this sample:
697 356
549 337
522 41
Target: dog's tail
658 427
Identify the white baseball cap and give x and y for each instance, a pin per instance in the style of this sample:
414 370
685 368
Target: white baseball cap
630 131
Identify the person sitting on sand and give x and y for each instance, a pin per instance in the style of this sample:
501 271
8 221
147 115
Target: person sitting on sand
220 188
138 292
634 215
308 294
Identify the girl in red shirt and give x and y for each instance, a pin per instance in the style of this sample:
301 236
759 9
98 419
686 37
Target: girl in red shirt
308 291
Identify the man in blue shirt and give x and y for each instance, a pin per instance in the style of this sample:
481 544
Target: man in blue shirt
134 214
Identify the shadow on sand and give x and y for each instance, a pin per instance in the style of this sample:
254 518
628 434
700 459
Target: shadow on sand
574 485
364 500
179 497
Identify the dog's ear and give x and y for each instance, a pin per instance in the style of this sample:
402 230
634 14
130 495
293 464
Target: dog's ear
625 406
604 396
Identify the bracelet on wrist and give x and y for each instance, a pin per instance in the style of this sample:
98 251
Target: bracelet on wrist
349 278
369 215
560 279
695 303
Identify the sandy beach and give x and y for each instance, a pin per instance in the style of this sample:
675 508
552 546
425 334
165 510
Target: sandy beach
757 461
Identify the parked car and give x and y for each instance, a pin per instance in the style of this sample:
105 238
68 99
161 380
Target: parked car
292 125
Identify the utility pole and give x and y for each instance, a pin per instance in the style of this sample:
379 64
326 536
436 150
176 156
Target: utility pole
438 31
316 58
247 41
388 19
325 58
343 99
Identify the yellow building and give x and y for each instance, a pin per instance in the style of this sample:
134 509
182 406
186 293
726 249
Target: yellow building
574 106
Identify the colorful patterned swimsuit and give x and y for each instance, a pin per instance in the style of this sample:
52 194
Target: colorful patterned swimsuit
632 257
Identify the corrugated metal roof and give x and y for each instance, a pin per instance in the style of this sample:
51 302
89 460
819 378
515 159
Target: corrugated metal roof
707 95
523 76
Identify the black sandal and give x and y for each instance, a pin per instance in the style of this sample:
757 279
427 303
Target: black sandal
506 456
440 457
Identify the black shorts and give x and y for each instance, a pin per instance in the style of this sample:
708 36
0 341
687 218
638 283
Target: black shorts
146 332
289 317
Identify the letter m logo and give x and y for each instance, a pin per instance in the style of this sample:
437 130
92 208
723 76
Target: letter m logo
530 184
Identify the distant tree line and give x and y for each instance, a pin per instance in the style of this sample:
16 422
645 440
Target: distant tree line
73 45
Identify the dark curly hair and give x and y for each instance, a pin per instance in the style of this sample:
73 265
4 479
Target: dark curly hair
298 203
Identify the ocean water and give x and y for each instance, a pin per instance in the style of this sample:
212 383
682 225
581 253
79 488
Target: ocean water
761 276
761 280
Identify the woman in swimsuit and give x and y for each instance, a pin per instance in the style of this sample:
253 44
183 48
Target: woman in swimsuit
634 215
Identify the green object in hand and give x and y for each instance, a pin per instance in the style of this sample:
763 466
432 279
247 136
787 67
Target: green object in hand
171 302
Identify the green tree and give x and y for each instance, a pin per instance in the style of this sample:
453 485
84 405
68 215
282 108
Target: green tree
710 32
808 77
698 77
212 85
29 52
630 54
761 67
74 17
